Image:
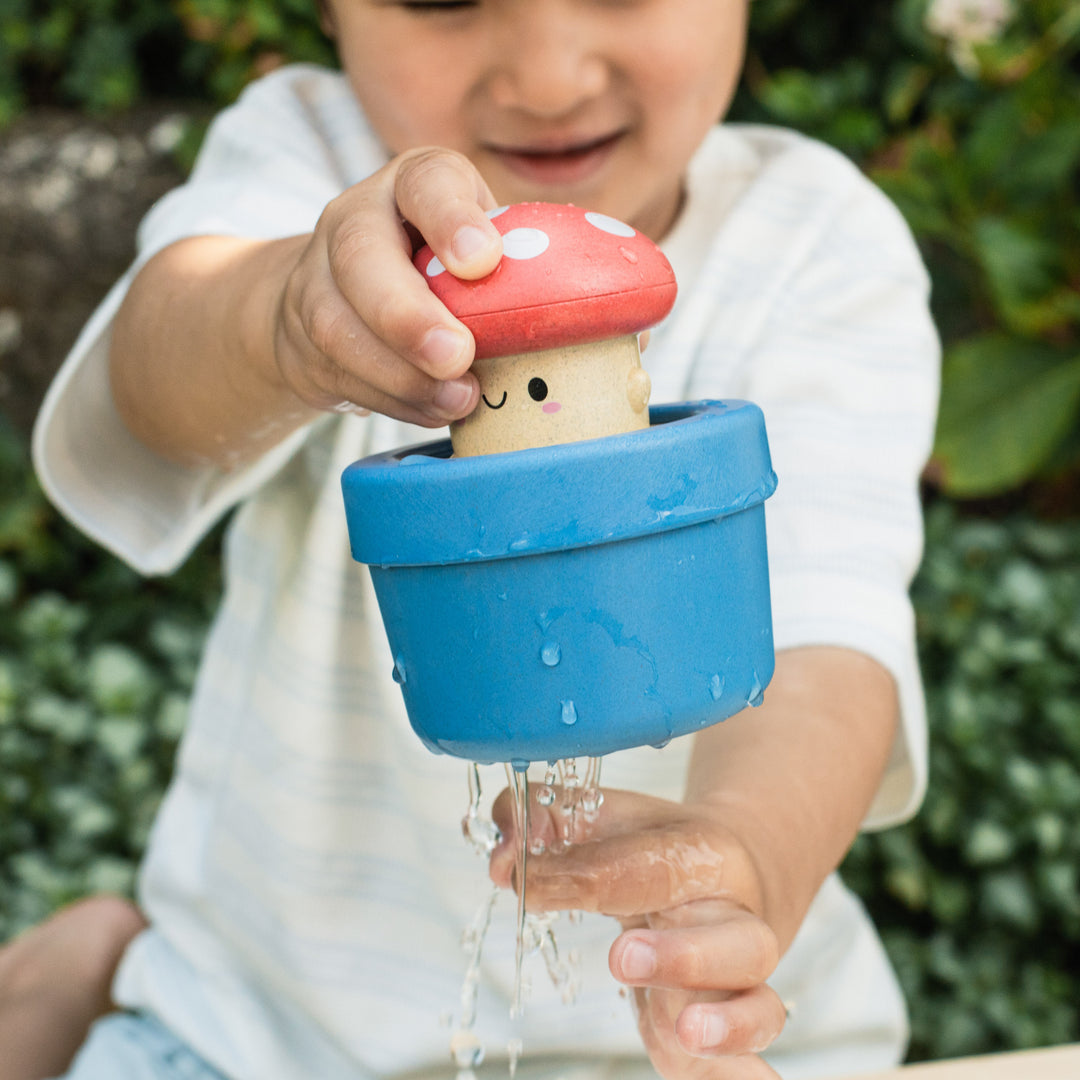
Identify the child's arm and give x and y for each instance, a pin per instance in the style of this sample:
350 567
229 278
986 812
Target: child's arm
717 886
225 345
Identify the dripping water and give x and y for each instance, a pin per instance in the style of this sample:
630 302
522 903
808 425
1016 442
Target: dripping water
581 799
466 1049
519 788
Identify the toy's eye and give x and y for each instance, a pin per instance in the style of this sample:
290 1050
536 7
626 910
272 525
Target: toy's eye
538 389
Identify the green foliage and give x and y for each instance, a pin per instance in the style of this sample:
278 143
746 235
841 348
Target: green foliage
104 55
979 897
979 145
96 666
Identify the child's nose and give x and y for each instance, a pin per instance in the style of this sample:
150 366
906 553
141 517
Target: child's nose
548 71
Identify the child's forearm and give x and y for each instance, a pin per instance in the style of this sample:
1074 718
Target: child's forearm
225 345
192 352
794 778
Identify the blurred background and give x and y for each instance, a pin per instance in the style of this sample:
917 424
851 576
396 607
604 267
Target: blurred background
966 112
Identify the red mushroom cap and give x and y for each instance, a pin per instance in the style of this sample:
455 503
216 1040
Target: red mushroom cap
567 276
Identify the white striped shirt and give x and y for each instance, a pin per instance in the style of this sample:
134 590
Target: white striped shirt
306 880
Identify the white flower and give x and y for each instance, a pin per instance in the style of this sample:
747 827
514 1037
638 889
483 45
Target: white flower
964 24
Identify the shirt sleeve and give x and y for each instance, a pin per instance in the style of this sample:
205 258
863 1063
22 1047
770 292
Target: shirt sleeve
267 168
846 370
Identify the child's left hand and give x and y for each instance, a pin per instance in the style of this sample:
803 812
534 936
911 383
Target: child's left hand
695 947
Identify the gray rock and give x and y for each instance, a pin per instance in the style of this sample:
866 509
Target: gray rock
72 193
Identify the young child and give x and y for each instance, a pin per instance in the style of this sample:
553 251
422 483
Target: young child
304 887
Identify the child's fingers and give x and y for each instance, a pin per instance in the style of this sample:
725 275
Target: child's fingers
330 356
735 953
442 195
744 1023
368 261
708 1036
361 324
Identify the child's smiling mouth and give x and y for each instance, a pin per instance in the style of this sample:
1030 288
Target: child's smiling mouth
561 163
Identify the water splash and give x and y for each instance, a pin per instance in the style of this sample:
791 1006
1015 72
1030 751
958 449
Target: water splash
581 798
466 1049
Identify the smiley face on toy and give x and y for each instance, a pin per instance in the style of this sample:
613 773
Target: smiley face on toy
556 326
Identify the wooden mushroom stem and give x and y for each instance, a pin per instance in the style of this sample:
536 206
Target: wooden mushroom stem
559 395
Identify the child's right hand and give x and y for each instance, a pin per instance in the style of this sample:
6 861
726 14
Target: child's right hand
357 326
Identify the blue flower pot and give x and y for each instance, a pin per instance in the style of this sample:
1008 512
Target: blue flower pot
578 599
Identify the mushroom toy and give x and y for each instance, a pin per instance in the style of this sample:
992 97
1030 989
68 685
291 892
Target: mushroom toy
604 584
556 327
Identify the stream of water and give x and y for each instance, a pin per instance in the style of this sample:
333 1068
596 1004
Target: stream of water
579 798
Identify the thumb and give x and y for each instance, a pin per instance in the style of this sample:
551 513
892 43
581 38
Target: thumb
443 197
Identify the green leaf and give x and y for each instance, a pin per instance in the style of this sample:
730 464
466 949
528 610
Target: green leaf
120 680
989 842
121 737
906 85
1005 406
1009 897
796 97
1020 262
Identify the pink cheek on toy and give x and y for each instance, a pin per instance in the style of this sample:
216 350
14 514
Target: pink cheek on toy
551 406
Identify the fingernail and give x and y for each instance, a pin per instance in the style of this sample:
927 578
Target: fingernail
453 396
712 1028
638 960
469 241
442 347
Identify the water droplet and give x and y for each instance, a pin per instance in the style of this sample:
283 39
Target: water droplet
481 832
400 675
467 1049
545 795
519 765
513 1051
661 744
537 847
591 800
756 695
628 255
551 653
716 687
569 713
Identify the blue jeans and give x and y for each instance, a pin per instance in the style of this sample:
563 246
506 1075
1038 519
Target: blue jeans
133 1046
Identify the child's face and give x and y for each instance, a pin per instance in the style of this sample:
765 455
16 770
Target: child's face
600 103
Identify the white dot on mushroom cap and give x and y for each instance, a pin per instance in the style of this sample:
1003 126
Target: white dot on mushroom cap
434 268
497 211
525 243
608 224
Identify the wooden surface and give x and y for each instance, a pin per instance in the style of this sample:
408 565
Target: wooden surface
1055 1063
